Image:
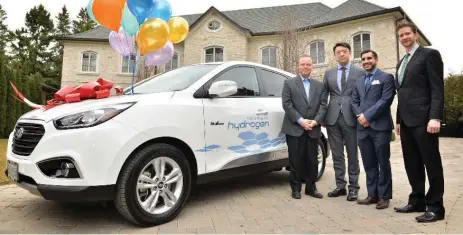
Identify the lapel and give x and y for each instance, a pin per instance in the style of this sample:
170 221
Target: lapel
300 87
334 80
397 67
361 86
410 62
311 90
350 79
374 78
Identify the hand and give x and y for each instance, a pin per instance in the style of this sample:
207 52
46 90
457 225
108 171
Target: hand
433 126
362 120
397 129
306 125
313 123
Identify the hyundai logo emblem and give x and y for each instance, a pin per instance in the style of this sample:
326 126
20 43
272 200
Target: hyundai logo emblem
19 133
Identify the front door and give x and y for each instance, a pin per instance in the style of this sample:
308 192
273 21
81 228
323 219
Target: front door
236 126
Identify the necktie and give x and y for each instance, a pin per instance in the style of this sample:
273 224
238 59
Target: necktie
343 78
306 86
367 81
404 65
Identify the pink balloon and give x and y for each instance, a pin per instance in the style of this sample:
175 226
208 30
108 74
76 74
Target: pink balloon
122 42
160 56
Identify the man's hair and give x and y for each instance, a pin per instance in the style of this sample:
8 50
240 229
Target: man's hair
407 24
341 44
375 55
304 56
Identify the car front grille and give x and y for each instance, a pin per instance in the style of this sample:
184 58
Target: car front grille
26 137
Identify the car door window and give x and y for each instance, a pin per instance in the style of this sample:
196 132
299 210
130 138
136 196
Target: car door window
272 82
245 78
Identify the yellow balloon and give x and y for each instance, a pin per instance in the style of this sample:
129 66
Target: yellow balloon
141 47
153 34
178 28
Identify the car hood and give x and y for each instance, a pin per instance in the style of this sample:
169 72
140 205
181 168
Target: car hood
64 109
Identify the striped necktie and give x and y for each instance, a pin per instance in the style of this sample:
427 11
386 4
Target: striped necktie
402 70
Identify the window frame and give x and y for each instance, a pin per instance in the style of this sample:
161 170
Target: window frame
316 42
214 53
361 43
264 93
122 62
262 55
170 62
97 61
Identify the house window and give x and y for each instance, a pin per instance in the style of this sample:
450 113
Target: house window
214 54
361 42
128 63
317 52
172 64
269 56
89 61
214 25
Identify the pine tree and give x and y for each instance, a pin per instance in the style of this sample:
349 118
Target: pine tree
3 29
4 73
83 22
63 28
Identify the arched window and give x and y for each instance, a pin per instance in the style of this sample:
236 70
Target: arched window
172 64
89 61
213 54
362 41
269 56
317 52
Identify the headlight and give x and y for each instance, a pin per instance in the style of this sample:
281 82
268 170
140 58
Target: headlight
90 117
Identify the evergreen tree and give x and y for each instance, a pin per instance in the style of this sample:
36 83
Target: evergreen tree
4 73
83 22
63 28
3 30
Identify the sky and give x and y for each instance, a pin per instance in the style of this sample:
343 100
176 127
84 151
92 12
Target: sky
439 20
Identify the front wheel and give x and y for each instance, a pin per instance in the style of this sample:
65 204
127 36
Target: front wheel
154 185
321 158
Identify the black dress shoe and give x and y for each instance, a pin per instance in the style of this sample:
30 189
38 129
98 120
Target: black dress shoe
337 192
410 209
429 217
296 195
313 193
353 196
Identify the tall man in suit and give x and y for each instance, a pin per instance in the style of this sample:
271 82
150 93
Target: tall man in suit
305 108
341 121
372 97
420 83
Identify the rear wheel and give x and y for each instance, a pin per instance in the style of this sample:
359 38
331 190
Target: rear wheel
154 185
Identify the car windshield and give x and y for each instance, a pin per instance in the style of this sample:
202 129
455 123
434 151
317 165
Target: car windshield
175 80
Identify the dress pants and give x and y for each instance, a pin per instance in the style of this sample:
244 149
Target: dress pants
375 147
421 149
302 151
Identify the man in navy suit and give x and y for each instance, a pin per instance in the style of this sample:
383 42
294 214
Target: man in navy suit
372 97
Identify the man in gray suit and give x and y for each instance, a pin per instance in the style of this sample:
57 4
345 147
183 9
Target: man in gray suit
305 108
341 121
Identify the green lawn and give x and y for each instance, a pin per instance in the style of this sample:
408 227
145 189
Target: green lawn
3 178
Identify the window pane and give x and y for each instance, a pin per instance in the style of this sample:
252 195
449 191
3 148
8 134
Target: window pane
273 83
273 57
218 57
265 52
245 79
313 53
357 39
265 59
218 50
209 58
175 62
92 67
210 51
321 52
366 37
357 49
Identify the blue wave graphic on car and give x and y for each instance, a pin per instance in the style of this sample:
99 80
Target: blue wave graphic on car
252 143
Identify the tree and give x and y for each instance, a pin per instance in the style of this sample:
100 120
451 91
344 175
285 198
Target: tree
453 97
83 22
63 28
3 30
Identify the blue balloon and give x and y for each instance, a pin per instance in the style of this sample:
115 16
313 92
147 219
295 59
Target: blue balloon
141 9
129 21
90 11
162 9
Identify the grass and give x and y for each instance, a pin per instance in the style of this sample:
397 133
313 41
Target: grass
3 178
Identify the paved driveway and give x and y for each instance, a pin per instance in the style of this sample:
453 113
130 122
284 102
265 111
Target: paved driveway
250 205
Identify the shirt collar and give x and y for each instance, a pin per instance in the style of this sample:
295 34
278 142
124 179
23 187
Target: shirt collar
347 66
304 78
372 73
412 51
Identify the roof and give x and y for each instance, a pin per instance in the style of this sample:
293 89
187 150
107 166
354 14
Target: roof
261 21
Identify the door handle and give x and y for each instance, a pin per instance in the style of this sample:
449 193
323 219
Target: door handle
261 112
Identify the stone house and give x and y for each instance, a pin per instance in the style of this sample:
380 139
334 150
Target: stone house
251 35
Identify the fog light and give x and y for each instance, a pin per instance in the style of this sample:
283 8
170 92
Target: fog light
61 167
65 166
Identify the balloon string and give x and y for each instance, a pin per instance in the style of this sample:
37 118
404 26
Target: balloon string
133 70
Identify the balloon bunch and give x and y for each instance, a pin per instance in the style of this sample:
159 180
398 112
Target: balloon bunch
147 23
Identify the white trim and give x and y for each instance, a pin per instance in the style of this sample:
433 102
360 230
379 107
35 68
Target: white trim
361 42
307 50
81 57
210 20
213 46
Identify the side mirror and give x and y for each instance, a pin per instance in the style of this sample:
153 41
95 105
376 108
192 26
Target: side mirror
223 89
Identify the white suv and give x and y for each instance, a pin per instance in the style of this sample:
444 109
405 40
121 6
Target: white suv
145 151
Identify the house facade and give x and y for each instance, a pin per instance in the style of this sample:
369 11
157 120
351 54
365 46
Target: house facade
253 35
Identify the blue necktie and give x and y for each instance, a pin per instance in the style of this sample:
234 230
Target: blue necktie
367 81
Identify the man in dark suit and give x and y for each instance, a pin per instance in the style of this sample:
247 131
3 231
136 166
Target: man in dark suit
341 121
420 84
371 102
305 108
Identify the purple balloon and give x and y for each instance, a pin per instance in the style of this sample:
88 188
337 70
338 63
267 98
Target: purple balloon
160 56
122 42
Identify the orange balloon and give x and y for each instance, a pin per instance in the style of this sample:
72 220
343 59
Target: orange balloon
153 34
178 28
108 13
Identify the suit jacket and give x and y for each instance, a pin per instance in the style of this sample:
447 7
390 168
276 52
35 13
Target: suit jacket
297 105
375 102
340 99
421 94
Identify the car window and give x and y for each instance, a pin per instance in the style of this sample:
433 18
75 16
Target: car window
272 82
245 78
174 80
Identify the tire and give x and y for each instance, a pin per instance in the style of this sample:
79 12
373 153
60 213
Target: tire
128 198
322 163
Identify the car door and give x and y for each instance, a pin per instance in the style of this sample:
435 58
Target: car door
272 87
236 127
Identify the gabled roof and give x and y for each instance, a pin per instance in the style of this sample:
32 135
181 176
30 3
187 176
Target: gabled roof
264 21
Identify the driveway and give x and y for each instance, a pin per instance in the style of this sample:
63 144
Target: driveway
261 204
